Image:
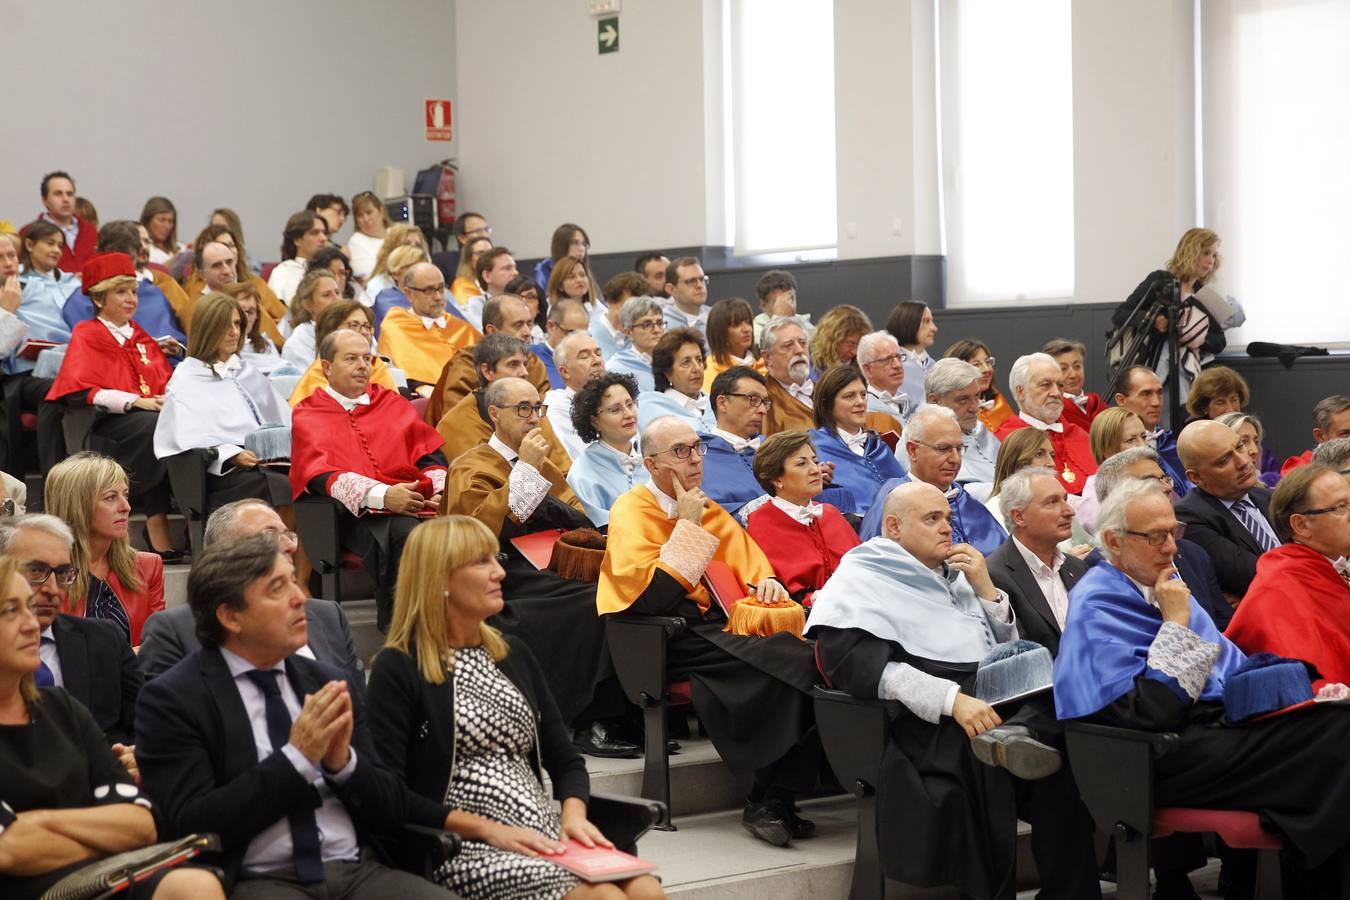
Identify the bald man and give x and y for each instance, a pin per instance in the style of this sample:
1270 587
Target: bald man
423 339
507 313
908 616
1228 513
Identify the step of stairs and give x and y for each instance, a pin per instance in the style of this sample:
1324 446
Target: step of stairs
699 781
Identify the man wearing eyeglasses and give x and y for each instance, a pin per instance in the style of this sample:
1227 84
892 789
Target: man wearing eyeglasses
787 359
687 288
668 534
511 485
933 442
170 634
955 384
565 317
579 359
644 324
883 367
423 339
90 658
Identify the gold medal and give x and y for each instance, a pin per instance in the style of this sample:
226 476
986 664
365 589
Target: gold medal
145 360
145 388
1068 475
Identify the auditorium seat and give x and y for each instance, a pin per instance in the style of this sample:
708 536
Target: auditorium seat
187 480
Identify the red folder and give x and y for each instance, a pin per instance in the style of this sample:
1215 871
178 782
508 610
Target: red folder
31 348
537 547
724 585
601 864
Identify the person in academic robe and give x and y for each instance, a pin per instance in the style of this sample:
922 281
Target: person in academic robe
1038 387
752 694
510 485
1029 566
932 440
731 339
395 296
908 616
216 400
846 436
1141 391
677 376
1298 602
607 329
505 313
605 416
643 322
113 581
787 360
804 539
564 317
1080 406
1139 652
364 446
317 291
956 385
155 308
114 366
579 359
883 365
911 324
348 315
994 407
467 424
421 340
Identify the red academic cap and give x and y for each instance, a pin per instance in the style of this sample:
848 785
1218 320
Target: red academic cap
112 268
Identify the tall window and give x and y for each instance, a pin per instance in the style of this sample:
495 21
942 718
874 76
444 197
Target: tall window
782 114
1006 120
1276 184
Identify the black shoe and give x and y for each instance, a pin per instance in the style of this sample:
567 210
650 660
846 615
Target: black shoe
169 556
673 746
1013 748
801 828
1173 886
599 740
769 821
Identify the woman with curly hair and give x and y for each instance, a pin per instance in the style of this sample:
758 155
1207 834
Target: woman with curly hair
836 339
604 414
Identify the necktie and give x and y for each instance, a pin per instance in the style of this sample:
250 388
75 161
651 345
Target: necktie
304 831
1250 516
44 676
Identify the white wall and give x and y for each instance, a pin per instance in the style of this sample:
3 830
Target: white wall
250 104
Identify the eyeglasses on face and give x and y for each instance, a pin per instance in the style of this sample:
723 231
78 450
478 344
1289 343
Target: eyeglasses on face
695 280
430 289
683 451
943 449
1340 511
1161 479
649 324
755 400
1158 538
359 327
38 573
525 410
886 360
620 408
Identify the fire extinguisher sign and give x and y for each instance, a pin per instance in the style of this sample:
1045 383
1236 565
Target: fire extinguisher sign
438 120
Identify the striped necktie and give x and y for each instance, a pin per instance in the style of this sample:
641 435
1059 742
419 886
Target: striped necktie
1251 517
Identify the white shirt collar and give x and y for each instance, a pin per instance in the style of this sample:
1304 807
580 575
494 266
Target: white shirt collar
429 323
803 514
738 443
506 452
630 460
123 333
666 502
856 442
146 274
1038 424
348 403
228 368
1035 563
697 404
801 392
917 356
238 665
1079 400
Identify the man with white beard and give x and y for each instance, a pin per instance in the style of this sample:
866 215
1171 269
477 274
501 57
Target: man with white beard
1038 386
786 353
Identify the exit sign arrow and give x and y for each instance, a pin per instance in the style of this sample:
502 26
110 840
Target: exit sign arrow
608 35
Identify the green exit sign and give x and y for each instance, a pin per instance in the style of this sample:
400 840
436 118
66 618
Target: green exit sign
609 34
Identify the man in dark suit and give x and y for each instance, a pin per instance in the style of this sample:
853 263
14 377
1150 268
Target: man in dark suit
170 635
266 748
90 658
1029 566
1228 514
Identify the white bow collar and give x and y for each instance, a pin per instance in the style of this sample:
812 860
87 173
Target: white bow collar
855 442
429 323
123 333
1079 400
802 514
801 391
738 443
1039 425
228 368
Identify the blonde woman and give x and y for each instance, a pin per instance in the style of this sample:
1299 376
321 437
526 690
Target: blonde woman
401 235
836 339
372 222
116 582
318 290
465 287
465 717
399 262
1113 430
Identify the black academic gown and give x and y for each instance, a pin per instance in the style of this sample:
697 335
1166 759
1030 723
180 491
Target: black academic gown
945 818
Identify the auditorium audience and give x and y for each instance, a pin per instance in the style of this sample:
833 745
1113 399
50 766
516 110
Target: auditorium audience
372 220
933 442
465 286
578 359
1114 429
846 435
230 219
911 324
777 294
506 313
651 268
160 218
332 258
78 236
1038 387
564 317
643 324
114 367
170 634
654 566
956 385
211 273
403 234
305 234
363 445
1331 420
158 296
1142 392
217 401
787 362
608 329
731 339
445 665
804 539
687 290
604 417
1251 441
569 241
1080 406
115 582
572 280
883 365
66 801
248 739
90 658
677 381
422 340
1024 447
994 407
43 292
908 616
400 262
315 292
258 344
1227 513
332 208
835 341
341 315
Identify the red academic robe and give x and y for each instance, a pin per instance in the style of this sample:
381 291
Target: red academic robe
86 243
1298 606
95 362
802 556
1083 417
383 441
1294 462
1073 452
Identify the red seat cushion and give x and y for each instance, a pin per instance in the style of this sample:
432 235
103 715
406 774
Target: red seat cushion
677 693
1241 830
28 421
349 561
